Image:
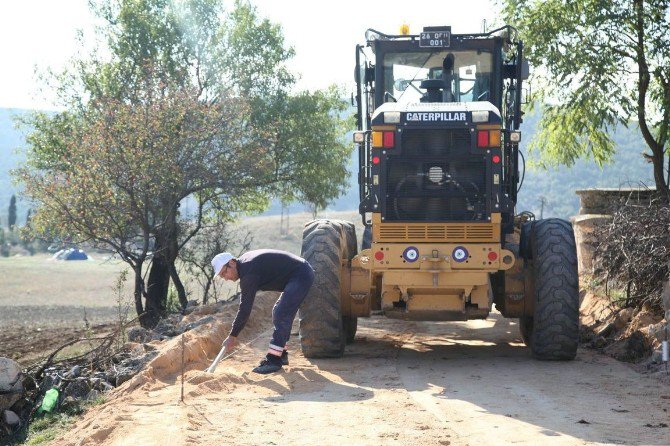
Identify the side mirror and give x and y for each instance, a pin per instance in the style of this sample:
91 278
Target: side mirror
401 84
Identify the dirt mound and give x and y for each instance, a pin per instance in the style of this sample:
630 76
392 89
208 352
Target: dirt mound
627 334
134 410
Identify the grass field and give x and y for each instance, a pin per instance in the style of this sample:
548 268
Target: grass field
44 302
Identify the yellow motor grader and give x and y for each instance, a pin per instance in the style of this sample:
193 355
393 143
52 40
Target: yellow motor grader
438 118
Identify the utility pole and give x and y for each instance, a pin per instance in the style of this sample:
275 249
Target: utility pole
283 228
543 201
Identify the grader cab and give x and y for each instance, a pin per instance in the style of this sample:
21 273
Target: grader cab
438 118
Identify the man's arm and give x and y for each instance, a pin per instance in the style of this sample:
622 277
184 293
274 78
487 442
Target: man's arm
249 286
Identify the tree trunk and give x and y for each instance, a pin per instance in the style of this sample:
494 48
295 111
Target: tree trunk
181 291
157 286
173 253
205 295
139 289
659 177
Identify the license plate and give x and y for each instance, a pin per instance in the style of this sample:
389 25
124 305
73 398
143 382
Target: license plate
435 39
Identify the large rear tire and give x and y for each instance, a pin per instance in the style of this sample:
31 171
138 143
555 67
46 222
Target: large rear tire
350 323
350 327
366 243
326 243
553 331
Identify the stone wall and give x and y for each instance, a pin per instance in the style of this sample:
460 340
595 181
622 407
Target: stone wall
596 207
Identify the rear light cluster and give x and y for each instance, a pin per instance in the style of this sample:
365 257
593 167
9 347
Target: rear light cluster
488 138
383 140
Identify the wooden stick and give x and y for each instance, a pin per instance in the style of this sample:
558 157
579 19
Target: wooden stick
182 368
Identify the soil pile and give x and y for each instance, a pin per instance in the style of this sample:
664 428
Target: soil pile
627 334
148 409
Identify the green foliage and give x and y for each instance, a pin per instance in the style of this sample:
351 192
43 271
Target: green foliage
315 146
189 104
256 55
558 183
11 219
172 304
4 246
599 64
122 307
214 237
43 430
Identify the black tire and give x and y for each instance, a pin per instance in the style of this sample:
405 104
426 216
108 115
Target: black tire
366 243
526 328
350 236
322 332
553 331
350 326
350 323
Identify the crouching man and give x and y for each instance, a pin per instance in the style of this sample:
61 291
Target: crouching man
267 270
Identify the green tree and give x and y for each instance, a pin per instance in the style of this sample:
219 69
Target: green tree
11 220
316 143
600 64
4 246
169 116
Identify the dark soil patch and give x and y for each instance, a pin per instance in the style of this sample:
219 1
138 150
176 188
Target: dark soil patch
27 345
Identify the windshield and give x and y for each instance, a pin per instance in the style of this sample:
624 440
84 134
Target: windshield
469 79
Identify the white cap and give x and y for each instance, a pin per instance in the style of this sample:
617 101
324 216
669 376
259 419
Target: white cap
220 260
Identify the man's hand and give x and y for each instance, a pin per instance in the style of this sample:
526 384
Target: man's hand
229 343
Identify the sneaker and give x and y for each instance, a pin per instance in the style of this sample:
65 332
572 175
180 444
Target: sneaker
268 366
284 358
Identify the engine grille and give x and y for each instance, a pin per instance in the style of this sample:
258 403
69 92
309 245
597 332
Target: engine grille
435 178
445 232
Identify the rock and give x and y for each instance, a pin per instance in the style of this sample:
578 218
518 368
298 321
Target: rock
600 342
74 372
11 385
192 303
134 348
77 389
131 366
10 418
101 385
623 318
139 334
606 330
92 395
69 403
656 356
49 381
641 321
665 298
204 310
124 374
167 327
198 323
631 349
658 331
149 347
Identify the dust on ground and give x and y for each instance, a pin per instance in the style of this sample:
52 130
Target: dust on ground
432 383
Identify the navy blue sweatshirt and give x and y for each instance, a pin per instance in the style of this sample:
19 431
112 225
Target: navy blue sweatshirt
265 270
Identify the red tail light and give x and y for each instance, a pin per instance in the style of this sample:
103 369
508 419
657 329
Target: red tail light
389 140
483 138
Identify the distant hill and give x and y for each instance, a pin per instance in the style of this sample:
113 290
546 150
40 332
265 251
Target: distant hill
557 186
12 146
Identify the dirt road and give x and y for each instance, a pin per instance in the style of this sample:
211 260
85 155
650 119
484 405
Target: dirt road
400 383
